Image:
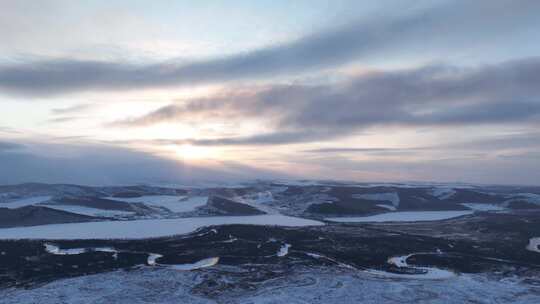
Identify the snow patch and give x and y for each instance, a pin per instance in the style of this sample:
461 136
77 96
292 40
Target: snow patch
197 265
405 216
391 208
258 201
152 259
425 272
534 244
442 193
174 203
54 249
284 250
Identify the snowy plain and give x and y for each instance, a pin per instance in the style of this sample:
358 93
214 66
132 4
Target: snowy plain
173 203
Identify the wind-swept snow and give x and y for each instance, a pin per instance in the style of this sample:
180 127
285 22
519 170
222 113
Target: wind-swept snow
25 202
391 208
153 257
431 274
426 272
312 285
534 244
284 250
197 265
140 229
174 203
405 216
392 197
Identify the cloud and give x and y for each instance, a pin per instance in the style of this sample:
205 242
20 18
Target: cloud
369 151
436 95
452 24
88 163
73 109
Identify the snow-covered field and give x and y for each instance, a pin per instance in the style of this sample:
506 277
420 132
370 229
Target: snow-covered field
140 229
25 202
316 286
405 216
173 203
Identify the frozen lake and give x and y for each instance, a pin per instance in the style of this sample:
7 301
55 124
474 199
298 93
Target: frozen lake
140 229
405 216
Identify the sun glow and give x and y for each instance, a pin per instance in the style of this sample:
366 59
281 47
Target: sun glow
195 152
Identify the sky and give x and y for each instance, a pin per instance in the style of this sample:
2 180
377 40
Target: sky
117 92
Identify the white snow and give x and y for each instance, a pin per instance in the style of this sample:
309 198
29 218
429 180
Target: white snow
140 229
171 202
152 259
483 207
534 244
401 261
54 249
431 274
90 211
443 193
284 250
260 197
317 285
29 201
405 216
386 196
258 202
391 208
197 265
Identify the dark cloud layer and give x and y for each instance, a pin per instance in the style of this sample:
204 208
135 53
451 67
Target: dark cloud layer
446 26
105 164
507 93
